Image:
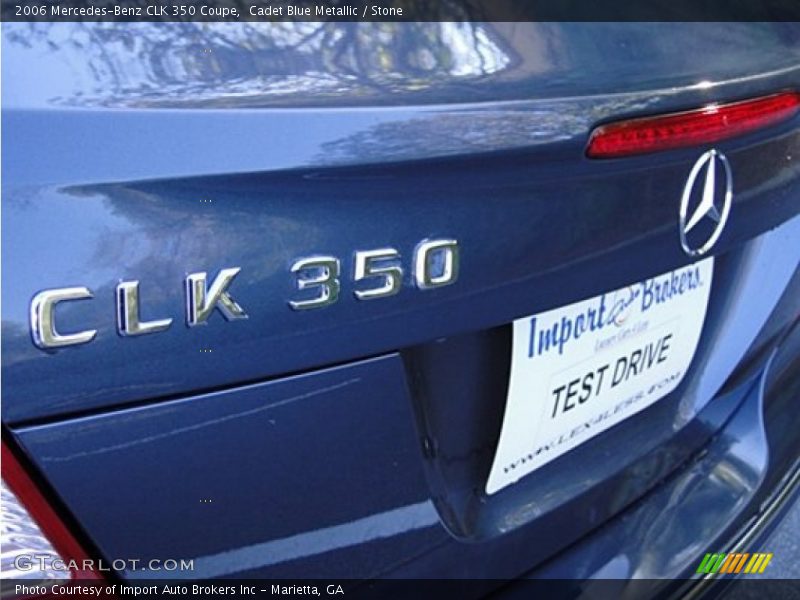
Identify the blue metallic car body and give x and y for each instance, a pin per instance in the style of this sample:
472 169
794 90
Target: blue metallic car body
353 441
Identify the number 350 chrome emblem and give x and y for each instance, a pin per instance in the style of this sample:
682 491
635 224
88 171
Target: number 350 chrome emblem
376 274
435 264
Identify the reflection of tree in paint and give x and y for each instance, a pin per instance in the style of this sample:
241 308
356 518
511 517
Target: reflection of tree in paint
192 63
262 64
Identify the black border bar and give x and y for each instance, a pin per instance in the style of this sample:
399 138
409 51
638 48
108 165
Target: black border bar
398 10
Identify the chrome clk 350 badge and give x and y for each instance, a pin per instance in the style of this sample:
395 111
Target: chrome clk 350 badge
376 274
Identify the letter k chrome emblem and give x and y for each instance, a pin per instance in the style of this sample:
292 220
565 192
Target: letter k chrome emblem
710 198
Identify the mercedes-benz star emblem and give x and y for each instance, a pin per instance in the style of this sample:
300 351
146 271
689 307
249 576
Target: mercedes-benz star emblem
706 203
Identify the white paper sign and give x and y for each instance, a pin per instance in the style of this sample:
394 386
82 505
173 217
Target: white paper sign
580 369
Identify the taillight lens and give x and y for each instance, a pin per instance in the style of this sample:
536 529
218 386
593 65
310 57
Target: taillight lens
691 128
34 542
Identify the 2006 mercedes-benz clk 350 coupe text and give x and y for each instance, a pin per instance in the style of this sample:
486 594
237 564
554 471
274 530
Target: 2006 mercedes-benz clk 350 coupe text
475 301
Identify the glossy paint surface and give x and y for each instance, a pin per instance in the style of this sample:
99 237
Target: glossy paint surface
354 440
260 65
243 465
224 471
537 230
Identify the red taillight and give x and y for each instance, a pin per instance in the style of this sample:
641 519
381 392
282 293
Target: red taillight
32 528
702 126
